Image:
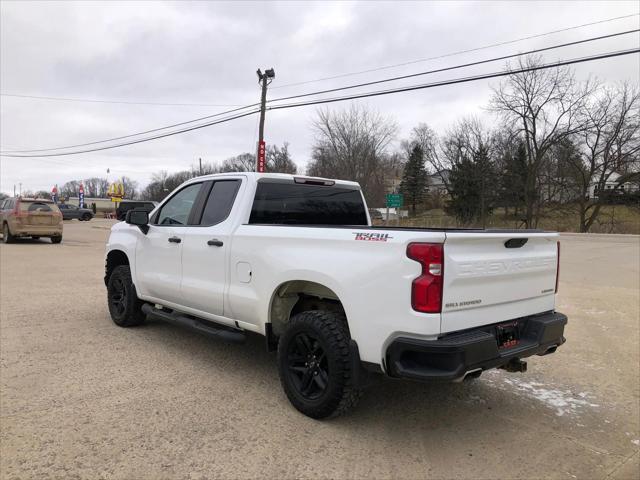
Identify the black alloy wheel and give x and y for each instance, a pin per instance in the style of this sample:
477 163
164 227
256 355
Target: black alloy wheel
308 367
316 365
118 296
124 305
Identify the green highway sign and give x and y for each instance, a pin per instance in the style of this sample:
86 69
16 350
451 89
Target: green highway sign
394 200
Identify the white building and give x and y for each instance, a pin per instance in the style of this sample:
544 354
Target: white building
612 183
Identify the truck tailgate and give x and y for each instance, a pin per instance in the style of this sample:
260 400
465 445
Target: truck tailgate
491 277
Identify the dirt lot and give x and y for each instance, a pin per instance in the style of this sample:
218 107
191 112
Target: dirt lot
82 398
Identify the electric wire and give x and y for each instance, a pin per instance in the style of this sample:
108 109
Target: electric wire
356 96
460 80
456 67
459 52
133 142
592 39
132 134
118 102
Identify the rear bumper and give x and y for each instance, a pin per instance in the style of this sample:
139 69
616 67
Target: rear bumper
452 356
37 230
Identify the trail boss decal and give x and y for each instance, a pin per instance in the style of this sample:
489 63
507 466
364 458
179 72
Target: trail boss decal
372 237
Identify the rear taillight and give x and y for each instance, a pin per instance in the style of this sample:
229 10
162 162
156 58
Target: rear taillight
426 290
558 268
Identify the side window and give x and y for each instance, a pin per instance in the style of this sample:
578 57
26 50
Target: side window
220 201
176 211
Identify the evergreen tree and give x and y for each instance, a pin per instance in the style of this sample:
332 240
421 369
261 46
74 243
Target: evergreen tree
414 178
472 187
513 179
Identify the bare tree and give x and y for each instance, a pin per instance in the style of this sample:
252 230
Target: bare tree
352 145
610 145
245 162
544 105
279 159
130 187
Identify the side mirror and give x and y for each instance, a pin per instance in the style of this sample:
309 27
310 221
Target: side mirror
139 218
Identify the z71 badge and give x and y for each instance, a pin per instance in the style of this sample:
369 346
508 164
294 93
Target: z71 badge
372 237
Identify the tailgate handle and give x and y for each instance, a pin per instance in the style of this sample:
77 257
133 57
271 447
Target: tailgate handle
515 242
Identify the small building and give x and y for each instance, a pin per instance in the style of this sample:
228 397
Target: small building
437 182
102 204
614 182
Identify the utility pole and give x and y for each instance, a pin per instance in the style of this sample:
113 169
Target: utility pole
14 190
200 161
265 79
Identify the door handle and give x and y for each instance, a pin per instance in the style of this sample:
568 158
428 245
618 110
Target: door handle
175 239
215 242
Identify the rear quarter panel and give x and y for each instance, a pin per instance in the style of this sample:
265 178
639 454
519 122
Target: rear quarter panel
372 279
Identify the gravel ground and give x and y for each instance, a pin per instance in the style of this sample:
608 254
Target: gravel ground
82 398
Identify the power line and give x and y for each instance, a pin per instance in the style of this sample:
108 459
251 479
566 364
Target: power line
464 65
132 134
169 134
460 80
357 96
592 39
122 102
459 52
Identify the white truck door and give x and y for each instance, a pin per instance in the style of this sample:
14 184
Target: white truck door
206 249
159 252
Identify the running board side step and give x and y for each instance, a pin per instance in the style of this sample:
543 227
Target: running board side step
203 326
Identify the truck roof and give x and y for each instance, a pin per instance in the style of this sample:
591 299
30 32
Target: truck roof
280 176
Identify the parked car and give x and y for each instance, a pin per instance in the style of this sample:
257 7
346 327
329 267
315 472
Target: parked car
375 214
28 217
296 259
71 211
127 205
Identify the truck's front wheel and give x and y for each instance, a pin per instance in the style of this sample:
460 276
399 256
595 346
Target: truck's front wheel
315 364
124 306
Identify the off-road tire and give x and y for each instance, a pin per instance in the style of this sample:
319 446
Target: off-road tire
330 332
56 239
124 305
6 234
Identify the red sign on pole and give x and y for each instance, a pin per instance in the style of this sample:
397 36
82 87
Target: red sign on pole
261 157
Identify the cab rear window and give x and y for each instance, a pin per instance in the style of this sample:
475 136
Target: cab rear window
302 204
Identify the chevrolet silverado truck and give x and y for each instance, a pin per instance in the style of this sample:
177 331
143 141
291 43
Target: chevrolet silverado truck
295 259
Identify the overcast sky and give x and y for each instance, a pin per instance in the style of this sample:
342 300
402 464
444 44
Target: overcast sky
208 52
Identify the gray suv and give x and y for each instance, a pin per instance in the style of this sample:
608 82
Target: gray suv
71 211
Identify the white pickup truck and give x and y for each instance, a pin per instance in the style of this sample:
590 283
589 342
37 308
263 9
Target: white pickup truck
297 260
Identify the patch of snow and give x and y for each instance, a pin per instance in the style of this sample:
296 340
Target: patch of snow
562 401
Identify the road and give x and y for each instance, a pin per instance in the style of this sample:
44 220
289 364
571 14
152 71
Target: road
82 398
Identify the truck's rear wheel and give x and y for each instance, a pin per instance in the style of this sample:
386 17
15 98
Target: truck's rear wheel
315 365
124 306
